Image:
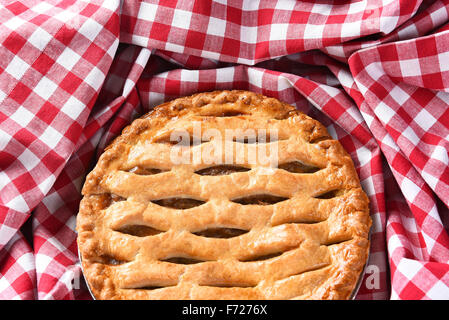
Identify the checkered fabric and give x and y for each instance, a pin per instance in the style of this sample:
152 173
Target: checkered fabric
74 73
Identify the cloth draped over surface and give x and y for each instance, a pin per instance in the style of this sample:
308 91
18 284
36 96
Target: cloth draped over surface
74 73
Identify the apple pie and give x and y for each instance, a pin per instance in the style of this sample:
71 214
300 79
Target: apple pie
168 213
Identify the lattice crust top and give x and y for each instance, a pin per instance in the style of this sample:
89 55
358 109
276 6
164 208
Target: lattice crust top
152 229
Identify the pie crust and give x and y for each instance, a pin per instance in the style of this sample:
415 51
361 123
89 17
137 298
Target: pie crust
149 228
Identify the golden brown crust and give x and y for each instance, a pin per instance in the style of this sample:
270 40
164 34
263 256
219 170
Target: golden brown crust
300 232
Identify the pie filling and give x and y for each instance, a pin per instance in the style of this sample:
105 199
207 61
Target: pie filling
145 171
259 199
139 230
223 233
183 260
179 203
298 167
221 170
225 114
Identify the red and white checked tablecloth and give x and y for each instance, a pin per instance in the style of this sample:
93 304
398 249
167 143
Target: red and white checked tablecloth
73 73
